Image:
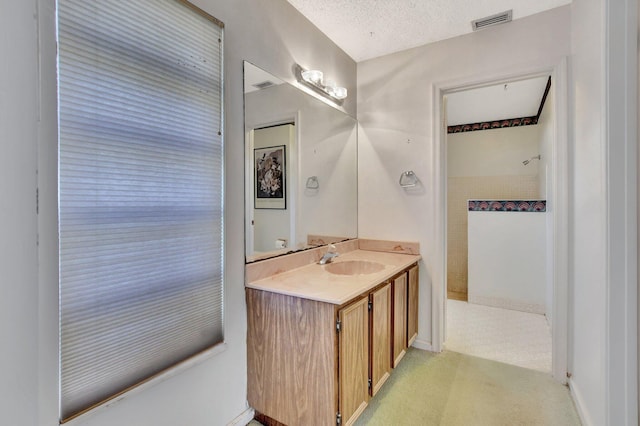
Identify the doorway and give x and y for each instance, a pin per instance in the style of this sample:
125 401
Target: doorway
555 229
498 143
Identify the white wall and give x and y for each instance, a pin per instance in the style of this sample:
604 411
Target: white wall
269 34
621 141
331 154
604 272
395 101
507 260
18 252
588 273
494 152
484 165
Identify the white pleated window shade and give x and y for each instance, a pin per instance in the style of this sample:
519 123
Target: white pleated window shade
140 192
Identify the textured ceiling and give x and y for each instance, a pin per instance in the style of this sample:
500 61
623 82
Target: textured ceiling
366 29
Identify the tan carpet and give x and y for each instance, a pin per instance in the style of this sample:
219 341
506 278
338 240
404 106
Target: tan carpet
453 389
456 389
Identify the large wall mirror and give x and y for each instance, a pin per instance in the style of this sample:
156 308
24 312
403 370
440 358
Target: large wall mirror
300 169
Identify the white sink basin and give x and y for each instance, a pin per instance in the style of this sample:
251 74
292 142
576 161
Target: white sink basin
353 267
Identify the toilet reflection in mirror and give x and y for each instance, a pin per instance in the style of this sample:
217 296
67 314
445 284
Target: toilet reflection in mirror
317 140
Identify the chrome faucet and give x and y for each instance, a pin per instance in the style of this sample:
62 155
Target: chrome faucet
329 255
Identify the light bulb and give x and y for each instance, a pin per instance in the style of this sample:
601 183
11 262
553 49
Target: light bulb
340 93
316 78
312 76
330 87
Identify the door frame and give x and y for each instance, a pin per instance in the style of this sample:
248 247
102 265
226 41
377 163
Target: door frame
559 202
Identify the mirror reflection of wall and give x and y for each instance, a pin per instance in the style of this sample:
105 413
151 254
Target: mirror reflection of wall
319 141
272 174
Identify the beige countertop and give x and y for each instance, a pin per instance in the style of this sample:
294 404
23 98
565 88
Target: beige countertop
315 283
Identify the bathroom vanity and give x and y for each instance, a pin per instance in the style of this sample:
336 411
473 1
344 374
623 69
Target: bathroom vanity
323 339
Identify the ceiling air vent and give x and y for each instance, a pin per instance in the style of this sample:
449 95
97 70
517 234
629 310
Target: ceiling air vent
499 18
264 85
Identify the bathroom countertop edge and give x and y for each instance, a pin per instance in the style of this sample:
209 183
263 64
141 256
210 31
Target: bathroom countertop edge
312 282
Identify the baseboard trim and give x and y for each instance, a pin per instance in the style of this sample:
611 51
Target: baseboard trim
243 419
579 404
423 344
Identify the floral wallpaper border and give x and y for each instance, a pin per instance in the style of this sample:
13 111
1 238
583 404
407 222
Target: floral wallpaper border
507 205
498 124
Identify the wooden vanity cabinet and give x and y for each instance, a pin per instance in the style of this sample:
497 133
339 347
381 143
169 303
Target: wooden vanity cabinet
292 358
380 332
412 305
365 357
399 291
405 312
316 363
353 363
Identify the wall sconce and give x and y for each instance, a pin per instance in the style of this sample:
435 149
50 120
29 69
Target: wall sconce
315 79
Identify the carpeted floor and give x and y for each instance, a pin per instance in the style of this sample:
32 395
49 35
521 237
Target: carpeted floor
455 389
452 389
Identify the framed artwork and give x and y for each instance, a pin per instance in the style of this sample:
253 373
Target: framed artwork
270 175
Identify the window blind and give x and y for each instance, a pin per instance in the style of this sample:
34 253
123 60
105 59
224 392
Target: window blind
140 192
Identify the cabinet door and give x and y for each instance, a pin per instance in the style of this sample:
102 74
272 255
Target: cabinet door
399 291
380 348
353 364
412 306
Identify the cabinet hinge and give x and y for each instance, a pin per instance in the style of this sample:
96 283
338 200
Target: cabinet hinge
338 418
338 326
370 383
370 305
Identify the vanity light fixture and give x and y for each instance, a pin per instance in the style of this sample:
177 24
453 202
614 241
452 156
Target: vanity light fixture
312 76
315 78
